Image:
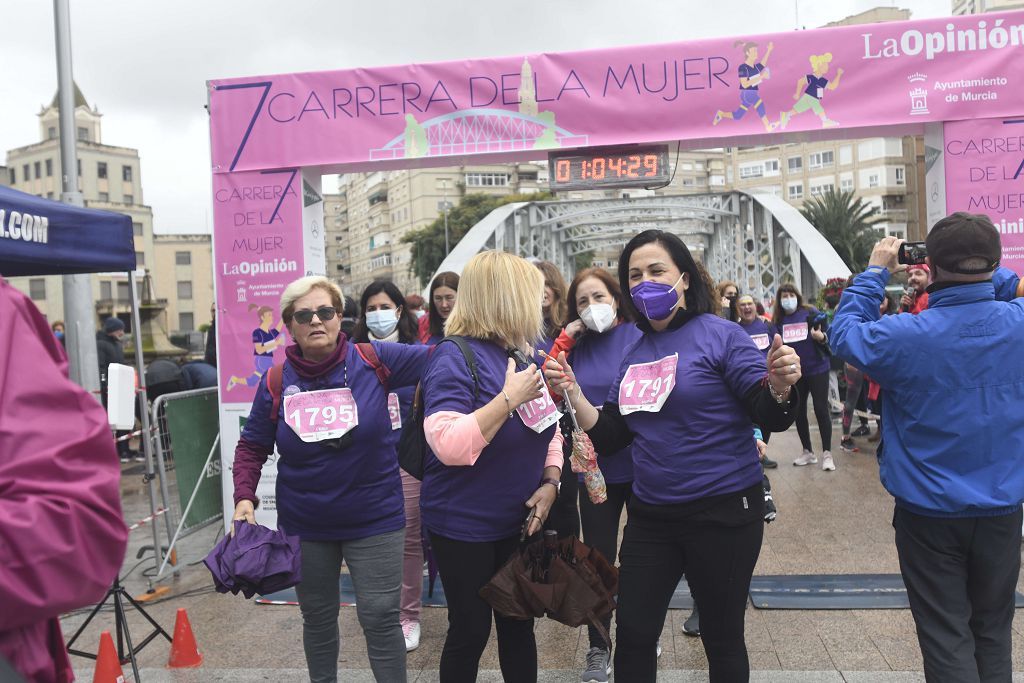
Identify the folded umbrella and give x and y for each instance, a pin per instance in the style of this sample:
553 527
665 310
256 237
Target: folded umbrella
255 560
562 579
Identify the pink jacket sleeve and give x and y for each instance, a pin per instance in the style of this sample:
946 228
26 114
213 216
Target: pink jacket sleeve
62 535
456 439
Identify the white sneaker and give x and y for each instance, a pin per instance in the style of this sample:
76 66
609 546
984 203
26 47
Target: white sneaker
806 458
411 631
659 649
827 464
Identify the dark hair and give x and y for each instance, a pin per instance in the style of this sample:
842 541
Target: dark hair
777 313
697 297
608 280
350 309
892 306
407 327
555 317
445 279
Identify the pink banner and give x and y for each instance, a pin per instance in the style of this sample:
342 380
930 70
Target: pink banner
984 162
257 251
852 77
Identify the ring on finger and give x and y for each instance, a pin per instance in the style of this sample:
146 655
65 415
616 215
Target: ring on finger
792 368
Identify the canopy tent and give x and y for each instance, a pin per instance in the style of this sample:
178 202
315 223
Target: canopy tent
43 237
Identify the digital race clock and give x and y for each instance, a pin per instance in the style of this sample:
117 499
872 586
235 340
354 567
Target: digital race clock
601 167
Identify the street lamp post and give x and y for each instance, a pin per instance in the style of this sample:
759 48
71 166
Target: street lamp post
444 200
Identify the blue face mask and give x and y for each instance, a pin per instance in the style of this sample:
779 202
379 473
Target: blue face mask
382 322
59 334
655 300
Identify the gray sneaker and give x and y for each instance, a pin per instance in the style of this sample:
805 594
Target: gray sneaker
599 665
691 626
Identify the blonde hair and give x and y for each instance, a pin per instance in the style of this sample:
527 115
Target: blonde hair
499 300
821 61
303 286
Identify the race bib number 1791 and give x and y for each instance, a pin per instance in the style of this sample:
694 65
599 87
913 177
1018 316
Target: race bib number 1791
646 386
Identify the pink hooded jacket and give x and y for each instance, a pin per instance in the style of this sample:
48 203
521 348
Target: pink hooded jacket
62 537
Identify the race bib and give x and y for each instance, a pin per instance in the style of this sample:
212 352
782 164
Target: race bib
394 411
761 341
794 332
821 93
540 413
646 386
320 415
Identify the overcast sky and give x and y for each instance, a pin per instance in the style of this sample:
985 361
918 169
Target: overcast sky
144 64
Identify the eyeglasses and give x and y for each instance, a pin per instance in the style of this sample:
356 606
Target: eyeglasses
324 313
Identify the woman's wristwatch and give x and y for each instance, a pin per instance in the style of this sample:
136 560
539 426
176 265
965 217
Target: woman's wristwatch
554 482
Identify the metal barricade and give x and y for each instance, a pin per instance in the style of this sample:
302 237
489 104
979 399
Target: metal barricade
186 440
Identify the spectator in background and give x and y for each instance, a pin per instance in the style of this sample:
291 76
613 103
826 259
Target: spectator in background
953 439
349 316
727 293
58 331
554 306
109 349
443 293
211 338
915 299
414 304
61 529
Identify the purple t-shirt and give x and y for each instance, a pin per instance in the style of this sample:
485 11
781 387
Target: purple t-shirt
812 361
747 71
816 86
759 330
484 501
326 494
259 336
595 360
699 444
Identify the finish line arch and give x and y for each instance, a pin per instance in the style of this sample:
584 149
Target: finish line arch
273 137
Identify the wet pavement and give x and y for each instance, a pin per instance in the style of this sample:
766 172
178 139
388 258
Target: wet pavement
829 523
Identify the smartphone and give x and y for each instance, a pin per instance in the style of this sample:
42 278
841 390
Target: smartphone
913 253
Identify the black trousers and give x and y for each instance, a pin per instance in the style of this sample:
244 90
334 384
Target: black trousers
601 531
465 568
718 546
961 574
815 386
564 517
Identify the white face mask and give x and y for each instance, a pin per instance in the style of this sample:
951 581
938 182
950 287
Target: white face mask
382 323
419 314
789 304
598 317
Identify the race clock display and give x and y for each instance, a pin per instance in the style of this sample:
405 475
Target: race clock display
609 167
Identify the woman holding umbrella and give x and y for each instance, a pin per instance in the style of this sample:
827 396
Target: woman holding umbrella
497 452
686 397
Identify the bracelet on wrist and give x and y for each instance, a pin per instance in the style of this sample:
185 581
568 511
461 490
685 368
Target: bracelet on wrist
780 397
508 403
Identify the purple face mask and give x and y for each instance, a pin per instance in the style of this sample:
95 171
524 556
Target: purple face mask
655 300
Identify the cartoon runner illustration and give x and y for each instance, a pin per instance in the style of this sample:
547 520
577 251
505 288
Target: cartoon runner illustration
752 73
813 85
264 340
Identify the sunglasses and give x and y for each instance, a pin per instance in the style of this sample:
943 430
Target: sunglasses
324 313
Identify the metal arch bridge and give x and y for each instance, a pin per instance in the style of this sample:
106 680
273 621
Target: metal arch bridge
478 131
758 241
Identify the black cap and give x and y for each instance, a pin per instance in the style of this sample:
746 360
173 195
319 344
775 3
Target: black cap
961 236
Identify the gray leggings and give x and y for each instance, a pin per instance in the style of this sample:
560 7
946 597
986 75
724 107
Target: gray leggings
375 564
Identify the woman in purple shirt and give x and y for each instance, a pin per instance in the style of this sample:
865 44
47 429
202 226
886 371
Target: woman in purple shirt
496 456
599 332
338 487
686 395
802 327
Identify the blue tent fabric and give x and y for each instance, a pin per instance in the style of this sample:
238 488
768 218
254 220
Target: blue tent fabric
43 237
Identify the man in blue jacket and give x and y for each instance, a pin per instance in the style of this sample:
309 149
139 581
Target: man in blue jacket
952 451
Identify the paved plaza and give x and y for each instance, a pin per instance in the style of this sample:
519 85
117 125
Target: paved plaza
829 523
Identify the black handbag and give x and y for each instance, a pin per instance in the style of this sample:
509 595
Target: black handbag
412 445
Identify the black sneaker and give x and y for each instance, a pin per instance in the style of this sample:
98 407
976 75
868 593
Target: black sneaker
769 464
863 430
847 445
770 511
691 626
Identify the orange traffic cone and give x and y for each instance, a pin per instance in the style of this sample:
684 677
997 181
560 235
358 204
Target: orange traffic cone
108 665
184 653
